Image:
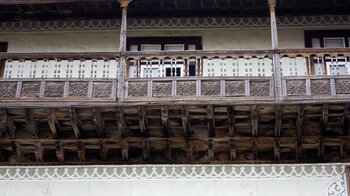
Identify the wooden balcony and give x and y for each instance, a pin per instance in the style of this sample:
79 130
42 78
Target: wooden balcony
180 119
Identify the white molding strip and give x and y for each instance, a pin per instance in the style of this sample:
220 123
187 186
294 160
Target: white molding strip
333 172
171 23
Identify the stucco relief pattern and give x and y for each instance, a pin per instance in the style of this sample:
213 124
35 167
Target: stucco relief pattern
78 89
234 88
186 88
30 89
102 89
54 89
8 89
72 25
259 88
210 88
342 86
162 89
338 188
296 87
320 87
137 89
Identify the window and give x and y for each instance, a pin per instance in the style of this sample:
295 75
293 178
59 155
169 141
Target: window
334 42
327 39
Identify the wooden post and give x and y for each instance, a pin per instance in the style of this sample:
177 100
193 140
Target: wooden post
122 61
276 57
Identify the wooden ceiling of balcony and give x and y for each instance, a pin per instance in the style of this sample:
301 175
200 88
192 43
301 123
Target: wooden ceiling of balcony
106 9
176 134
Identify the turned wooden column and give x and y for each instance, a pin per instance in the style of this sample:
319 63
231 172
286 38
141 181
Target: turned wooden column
276 56
122 61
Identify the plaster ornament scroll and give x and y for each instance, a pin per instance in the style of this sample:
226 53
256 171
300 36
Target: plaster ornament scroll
338 188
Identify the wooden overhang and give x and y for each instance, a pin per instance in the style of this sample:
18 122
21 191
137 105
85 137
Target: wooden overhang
107 9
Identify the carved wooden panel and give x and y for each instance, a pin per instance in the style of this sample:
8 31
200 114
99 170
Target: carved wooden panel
30 89
8 89
54 89
78 89
320 87
342 86
102 89
186 88
210 88
137 89
162 89
296 87
259 88
234 88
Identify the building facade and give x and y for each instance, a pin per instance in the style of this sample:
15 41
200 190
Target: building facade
198 97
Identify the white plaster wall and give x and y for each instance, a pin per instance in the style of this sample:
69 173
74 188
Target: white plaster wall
108 41
272 187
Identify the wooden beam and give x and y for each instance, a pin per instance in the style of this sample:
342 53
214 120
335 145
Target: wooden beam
346 120
167 151
7 122
39 151
75 122
146 150
100 124
189 151
278 120
16 149
60 151
233 154
300 121
185 122
254 120
211 149
31 123
277 149
143 122
321 149
299 149
53 122
125 150
165 121
81 151
210 120
254 148
324 119
121 122
231 120
103 151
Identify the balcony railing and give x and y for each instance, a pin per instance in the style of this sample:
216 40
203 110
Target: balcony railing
233 76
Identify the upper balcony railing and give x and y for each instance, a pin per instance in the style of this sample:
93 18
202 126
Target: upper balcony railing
179 76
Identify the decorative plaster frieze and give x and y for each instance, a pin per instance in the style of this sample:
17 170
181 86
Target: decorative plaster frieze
171 23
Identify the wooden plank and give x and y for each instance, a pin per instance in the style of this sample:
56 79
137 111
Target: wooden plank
278 120
99 122
60 151
167 151
277 149
165 121
7 122
211 149
146 150
16 149
31 123
120 118
143 122
125 150
210 121
189 151
103 151
254 120
300 121
53 122
39 151
81 151
325 118
75 122
233 154
231 120
185 122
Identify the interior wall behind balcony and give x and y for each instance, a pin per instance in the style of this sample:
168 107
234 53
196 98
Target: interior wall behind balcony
108 41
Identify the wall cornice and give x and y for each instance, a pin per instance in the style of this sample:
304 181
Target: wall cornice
171 23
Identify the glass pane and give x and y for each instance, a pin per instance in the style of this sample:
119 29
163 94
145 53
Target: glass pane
334 43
